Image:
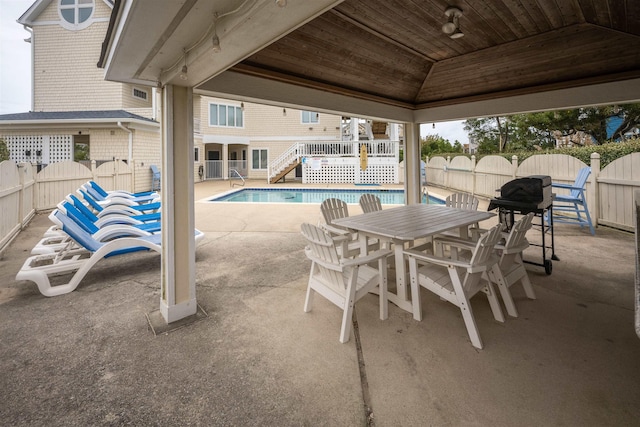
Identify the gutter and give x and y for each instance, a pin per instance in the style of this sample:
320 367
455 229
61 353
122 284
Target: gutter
126 129
33 66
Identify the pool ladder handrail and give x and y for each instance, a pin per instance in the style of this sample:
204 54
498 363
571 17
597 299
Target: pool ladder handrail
233 184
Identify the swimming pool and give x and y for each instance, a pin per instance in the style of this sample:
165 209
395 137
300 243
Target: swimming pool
311 195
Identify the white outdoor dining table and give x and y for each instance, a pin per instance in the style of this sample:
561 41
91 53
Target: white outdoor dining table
405 224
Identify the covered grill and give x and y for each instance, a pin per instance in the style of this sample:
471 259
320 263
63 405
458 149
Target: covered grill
528 194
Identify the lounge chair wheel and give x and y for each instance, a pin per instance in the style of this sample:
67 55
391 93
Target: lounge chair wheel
548 266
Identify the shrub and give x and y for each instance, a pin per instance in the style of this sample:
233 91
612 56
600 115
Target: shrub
608 152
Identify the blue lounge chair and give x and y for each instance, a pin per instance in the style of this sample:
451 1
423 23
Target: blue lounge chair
120 193
119 198
116 206
57 240
572 208
123 218
82 257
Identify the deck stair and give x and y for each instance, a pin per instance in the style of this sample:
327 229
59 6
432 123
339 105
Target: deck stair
294 155
288 168
286 162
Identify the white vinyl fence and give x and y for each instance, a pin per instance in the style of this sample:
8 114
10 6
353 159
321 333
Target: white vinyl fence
609 191
23 192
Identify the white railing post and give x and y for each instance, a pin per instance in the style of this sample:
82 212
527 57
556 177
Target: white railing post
473 174
594 191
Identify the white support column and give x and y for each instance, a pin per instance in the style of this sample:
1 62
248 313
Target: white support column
225 161
178 292
412 163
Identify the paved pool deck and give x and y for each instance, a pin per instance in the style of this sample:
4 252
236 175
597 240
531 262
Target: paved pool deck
254 357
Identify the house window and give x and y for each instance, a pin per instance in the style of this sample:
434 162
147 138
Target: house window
226 115
259 159
76 13
196 154
138 93
310 117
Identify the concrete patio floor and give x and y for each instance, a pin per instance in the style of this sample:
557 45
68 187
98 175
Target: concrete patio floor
90 358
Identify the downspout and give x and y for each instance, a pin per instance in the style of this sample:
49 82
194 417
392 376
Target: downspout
130 132
133 175
33 67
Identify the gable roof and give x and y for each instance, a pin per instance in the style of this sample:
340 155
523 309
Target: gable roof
385 59
38 7
72 117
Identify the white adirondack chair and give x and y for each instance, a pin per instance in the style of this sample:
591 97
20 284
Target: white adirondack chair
343 281
370 203
511 265
333 209
464 201
457 280
510 269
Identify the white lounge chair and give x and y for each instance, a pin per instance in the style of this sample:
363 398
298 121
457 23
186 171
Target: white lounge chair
121 193
80 256
56 239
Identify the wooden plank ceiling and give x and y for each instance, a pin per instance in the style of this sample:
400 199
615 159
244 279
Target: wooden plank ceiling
395 50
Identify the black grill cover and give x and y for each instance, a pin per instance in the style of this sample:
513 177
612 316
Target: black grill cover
530 189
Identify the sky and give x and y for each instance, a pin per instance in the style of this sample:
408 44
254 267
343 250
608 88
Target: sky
15 58
15 71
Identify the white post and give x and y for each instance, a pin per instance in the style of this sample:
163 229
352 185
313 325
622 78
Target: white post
594 190
412 164
178 292
225 161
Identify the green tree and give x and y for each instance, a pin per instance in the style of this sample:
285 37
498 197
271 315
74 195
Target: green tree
4 151
489 132
435 144
538 130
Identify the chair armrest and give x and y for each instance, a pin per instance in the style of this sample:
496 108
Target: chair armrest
361 260
445 262
513 250
335 230
458 242
566 186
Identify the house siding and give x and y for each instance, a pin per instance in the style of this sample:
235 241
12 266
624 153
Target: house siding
146 152
66 77
131 103
268 127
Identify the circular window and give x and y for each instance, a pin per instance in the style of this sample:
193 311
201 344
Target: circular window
76 13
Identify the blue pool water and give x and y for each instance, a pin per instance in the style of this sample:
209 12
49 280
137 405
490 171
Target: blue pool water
311 195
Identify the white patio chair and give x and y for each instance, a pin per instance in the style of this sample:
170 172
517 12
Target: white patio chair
343 281
510 268
332 209
511 264
457 281
370 203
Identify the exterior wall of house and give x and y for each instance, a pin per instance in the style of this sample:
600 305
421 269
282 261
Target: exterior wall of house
135 103
270 128
107 144
66 77
146 152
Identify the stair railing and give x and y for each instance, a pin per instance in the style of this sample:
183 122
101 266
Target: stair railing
233 184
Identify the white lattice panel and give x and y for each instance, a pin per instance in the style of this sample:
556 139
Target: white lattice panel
347 171
379 174
25 148
60 148
39 149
